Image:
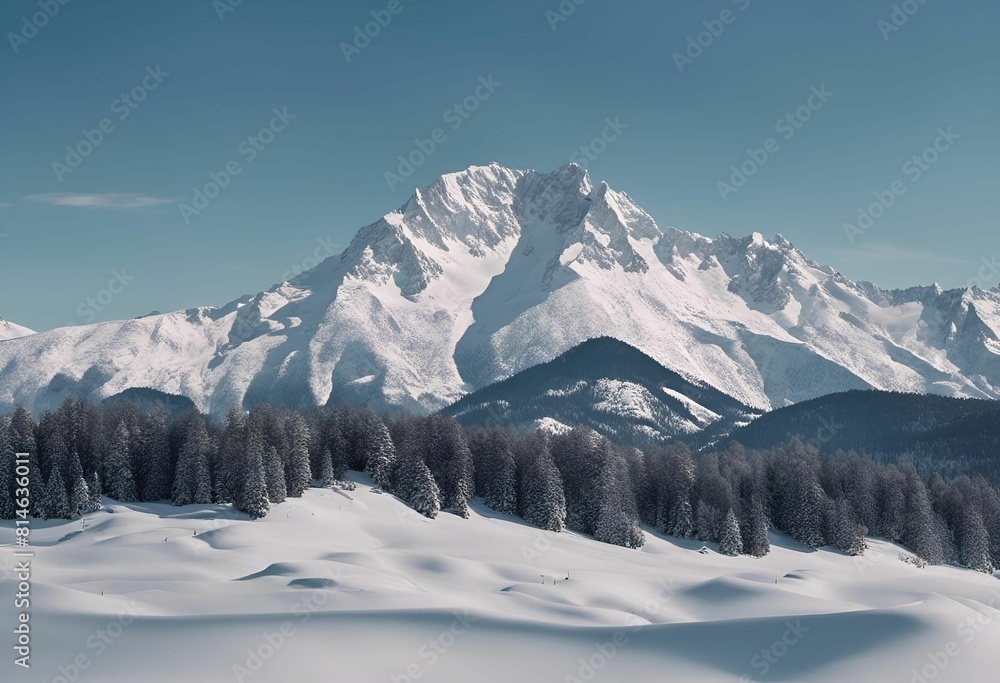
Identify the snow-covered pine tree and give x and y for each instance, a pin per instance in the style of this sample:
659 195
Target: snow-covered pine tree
79 498
193 478
156 449
973 541
541 500
496 471
56 504
450 462
118 480
338 463
842 530
22 440
252 498
580 455
681 522
730 538
755 540
94 487
274 470
380 453
919 532
53 452
74 470
8 465
326 474
229 466
618 521
298 474
332 446
707 522
415 484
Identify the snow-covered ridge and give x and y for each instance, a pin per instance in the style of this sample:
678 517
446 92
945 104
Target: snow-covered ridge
9 330
369 584
488 271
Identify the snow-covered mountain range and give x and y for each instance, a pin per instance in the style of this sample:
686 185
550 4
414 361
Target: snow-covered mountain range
9 330
611 387
489 271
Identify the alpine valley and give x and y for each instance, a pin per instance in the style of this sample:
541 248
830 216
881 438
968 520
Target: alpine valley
491 271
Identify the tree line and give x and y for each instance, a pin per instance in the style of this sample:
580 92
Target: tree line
576 479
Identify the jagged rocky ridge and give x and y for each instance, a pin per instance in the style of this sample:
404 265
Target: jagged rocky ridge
490 271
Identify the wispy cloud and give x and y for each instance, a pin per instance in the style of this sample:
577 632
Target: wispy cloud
113 200
4 205
882 252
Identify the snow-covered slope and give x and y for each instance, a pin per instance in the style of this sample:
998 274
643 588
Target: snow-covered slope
489 271
355 586
612 388
9 330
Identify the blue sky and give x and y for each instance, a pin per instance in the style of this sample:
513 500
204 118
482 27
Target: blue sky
208 84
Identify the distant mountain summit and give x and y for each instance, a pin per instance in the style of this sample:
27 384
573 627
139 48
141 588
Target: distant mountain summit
9 330
489 271
609 386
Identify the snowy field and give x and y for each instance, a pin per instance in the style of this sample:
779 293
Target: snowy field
352 586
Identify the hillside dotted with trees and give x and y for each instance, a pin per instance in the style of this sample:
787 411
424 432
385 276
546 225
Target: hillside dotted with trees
577 479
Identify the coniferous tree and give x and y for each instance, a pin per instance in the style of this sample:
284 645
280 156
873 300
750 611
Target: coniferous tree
333 447
8 475
79 499
681 522
157 483
252 497
495 469
618 521
380 454
298 474
327 476
22 440
707 522
193 478
229 466
415 484
118 478
94 489
755 539
56 505
274 470
730 538
450 462
919 532
541 498
843 531
974 542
